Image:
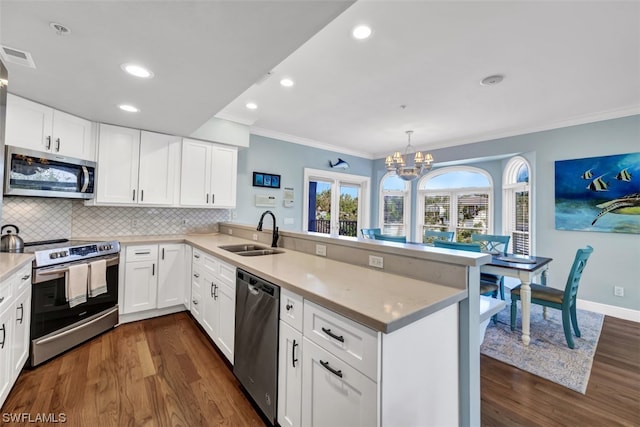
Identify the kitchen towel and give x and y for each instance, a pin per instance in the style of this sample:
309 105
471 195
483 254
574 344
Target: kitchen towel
76 284
98 278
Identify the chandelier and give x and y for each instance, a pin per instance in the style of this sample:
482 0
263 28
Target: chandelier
410 165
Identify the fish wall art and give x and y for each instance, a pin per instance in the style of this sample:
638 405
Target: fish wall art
340 164
598 194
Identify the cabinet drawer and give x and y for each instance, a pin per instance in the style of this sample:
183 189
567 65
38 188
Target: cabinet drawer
334 393
22 278
142 253
197 257
348 340
291 308
227 274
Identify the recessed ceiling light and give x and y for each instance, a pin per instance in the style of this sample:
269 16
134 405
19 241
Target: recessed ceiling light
128 108
251 105
361 32
137 70
492 80
286 82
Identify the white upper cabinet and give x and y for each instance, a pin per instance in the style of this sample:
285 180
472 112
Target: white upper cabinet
38 127
159 178
137 167
208 177
118 159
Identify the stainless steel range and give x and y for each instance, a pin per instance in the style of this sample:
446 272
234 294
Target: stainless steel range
56 325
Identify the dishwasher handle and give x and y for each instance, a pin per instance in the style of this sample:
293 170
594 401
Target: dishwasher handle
253 290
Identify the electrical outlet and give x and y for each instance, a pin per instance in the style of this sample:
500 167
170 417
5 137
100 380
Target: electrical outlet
618 291
255 236
321 250
376 261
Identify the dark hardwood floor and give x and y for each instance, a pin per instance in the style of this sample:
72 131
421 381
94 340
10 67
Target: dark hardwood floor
165 372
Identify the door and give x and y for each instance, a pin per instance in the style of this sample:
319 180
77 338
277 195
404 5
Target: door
320 206
334 393
29 124
348 209
224 165
209 307
159 168
225 298
72 136
20 346
289 376
196 173
171 267
118 158
6 368
141 285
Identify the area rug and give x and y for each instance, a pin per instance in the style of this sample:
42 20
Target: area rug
547 355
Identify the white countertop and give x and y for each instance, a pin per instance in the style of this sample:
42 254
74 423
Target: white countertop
11 262
382 301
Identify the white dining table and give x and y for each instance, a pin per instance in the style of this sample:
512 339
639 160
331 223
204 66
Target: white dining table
524 268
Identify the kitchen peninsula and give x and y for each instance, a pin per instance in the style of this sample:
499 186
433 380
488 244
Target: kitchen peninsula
423 319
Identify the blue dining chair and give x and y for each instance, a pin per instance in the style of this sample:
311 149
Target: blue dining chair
486 288
368 233
559 299
397 239
497 245
431 235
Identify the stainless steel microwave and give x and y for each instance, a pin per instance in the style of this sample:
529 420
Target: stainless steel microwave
34 173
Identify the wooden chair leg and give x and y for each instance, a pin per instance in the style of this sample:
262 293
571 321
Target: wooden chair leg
566 325
502 288
574 320
514 309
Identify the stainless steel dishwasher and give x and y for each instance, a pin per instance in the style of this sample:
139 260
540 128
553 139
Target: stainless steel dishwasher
256 340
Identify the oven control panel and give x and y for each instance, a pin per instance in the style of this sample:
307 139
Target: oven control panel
55 256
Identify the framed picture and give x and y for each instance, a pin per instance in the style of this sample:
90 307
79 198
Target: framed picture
598 194
266 180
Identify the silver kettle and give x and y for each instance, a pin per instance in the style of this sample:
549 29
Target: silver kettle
11 242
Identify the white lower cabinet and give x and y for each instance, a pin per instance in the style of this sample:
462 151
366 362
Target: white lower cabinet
171 267
154 277
289 376
15 320
213 300
334 393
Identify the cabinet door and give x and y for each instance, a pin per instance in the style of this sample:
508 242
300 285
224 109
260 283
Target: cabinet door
141 285
20 342
159 168
171 275
209 307
118 158
72 136
334 393
224 168
195 173
225 298
29 124
289 376
6 366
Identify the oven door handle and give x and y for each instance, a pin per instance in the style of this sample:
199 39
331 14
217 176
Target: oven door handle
72 330
61 271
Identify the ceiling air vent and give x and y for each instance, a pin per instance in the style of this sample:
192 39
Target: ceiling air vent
16 56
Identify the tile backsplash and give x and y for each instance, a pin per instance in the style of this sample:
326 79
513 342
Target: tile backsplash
45 219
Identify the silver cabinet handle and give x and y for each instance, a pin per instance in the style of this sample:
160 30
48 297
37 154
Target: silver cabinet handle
134 195
162 253
153 269
49 142
57 145
142 195
143 253
213 199
207 197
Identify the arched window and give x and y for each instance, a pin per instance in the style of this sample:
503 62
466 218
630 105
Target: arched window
516 205
455 199
395 205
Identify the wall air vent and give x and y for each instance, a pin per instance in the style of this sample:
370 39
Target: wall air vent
16 56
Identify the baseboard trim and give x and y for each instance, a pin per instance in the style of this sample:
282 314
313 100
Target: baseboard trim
148 314
610 310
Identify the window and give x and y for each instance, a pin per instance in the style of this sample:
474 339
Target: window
516 189
336 203
455 199
395 205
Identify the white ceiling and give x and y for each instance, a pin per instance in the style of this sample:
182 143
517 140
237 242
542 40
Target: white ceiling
564 63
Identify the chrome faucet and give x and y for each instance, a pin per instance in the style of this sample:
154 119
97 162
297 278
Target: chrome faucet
274 240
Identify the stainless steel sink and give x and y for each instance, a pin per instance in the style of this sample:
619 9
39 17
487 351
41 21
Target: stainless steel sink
250 250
